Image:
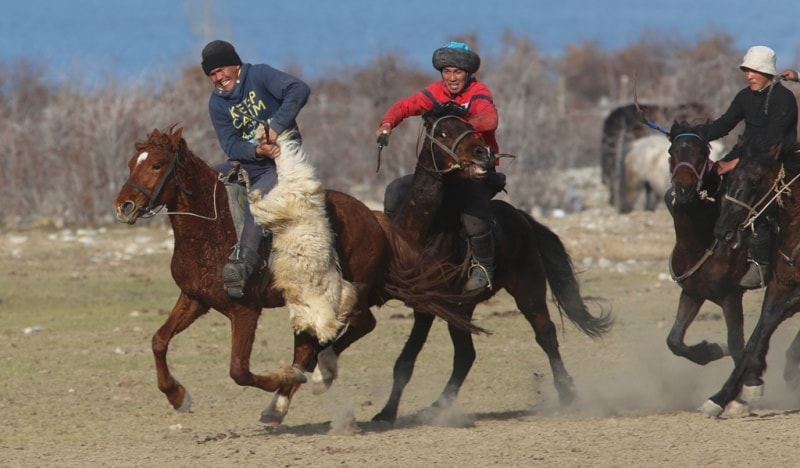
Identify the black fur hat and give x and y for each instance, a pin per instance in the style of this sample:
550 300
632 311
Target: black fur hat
456 54
219 54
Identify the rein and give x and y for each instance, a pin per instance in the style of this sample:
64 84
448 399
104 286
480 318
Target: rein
708 253
779 187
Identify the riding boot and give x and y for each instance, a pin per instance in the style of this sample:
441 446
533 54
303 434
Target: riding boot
244 259
759 258
482 269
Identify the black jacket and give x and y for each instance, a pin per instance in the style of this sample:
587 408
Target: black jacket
769 116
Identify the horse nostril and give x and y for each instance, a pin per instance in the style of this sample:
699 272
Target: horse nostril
127 207
483 156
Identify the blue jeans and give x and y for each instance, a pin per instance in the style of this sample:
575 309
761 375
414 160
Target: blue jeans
264 177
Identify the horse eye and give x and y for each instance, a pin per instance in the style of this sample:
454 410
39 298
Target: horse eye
157 166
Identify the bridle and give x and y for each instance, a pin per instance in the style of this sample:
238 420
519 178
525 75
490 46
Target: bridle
429 133
698 174
152 196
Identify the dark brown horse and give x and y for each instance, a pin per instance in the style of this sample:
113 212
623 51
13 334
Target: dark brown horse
372 253
528 257
763 177
704 271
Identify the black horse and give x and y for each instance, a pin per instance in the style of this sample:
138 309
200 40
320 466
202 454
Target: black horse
703 270
763 177
528 257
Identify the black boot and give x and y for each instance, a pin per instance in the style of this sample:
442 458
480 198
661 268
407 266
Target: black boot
760 249
243 260
482 270
236 272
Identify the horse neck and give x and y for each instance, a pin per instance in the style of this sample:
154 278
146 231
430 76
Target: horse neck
204 207
694 224
789 208
418 213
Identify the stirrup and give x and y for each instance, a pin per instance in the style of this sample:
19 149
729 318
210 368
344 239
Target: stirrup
478 278
755 276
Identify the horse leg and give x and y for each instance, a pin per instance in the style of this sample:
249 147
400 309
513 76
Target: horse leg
185 312
701 353
750 368
306 348
534 309
463 358
404 366
791 370
326 363
244 322
308 355
734 322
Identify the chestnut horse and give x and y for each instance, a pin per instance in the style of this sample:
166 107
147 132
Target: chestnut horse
372 253
703 270
528 257
764 176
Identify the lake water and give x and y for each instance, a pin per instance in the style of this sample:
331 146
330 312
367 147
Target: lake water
130 40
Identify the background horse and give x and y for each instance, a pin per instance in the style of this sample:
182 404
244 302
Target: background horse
528 256
622 126
704 271
373 255
763 176
647 172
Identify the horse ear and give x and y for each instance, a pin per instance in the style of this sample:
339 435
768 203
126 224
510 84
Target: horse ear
176 137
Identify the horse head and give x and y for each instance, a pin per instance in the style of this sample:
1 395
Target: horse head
151 168
754 184
452 146
689 161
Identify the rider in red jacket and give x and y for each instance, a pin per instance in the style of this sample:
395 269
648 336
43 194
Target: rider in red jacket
457 64
475 98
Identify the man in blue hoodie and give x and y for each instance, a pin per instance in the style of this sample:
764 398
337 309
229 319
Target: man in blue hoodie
245 95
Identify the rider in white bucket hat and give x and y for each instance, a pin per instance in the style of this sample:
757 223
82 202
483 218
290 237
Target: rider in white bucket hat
769 111
761 59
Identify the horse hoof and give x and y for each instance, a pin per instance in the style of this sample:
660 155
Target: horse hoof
186 405
384 417
291 375
274 413
737 409
752 394
326 371
711 409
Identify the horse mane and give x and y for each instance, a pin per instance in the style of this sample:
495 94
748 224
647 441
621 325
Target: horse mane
679 127
448 109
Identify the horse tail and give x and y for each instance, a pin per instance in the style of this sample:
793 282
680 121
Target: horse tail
423 284
564 284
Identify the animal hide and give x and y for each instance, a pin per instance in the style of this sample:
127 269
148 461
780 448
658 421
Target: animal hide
303 261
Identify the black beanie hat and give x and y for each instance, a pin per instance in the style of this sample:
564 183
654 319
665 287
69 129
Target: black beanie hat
219 54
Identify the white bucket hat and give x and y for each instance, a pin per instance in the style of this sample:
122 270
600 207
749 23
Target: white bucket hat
761 59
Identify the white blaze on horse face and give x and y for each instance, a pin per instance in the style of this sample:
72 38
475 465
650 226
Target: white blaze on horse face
142 157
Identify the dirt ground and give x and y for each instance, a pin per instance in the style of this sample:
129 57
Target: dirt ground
77 387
